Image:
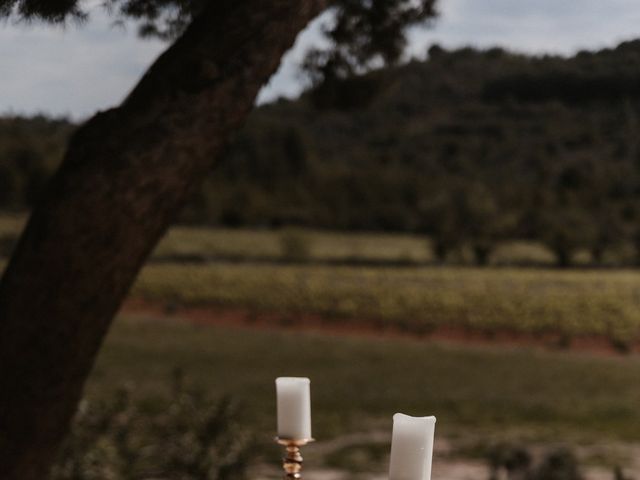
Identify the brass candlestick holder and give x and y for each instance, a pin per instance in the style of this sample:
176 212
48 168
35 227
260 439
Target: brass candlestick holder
292 461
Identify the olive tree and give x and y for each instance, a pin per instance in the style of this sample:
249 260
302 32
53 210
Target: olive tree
128 171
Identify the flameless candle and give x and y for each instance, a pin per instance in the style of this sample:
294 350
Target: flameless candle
294 408
411 447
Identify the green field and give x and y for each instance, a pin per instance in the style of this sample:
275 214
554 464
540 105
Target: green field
334 246
357 384
409 295
534 301
11 224
480 394
323 246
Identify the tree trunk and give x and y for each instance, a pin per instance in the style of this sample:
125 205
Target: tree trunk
482 254
126 174
564 257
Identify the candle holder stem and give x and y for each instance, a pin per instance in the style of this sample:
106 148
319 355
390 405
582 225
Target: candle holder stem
292 461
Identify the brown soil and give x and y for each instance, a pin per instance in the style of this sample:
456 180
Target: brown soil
244 318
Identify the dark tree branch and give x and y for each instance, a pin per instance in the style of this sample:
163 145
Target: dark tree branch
126 174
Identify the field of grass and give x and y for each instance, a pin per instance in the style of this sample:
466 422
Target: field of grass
266 244
11 224
480 393
411 298
327 246
357 384
534 301
211 243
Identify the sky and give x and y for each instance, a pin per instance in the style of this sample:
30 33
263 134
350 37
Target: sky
77 70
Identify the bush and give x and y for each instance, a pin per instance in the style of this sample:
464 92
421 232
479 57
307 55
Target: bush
184 436
560 464
618 474
564 230
295 245
516 463
514 460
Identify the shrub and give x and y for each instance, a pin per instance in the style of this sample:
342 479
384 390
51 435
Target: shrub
184 436
618 474
295 245
564 230
513 459
516 463
560 464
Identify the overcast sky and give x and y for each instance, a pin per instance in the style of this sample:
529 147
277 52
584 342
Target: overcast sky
76 71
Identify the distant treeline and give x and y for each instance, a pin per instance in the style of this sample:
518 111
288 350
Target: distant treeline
470 147
30 149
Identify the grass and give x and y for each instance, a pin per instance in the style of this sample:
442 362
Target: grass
532 301
571 303
366 456
357 384
324 246
479 392
332 246
11 224
268 245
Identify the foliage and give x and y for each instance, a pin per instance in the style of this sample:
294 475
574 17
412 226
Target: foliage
361 35
295 245
183 436
515 460
564 231
360 31
431 147
424 147
556 464
618 474
184 243
467 214
30 149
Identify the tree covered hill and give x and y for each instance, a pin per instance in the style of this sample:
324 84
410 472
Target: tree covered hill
469 146
30 149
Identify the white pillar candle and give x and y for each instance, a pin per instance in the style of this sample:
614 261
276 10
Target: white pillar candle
294 408
411 447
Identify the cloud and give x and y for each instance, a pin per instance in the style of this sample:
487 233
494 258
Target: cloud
80 70
288 80
536 26
70 71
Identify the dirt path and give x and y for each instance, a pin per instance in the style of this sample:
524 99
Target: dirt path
244 318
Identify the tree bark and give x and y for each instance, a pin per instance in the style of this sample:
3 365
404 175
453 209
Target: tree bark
126 174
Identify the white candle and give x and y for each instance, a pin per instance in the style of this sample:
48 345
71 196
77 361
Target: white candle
294 408
411 447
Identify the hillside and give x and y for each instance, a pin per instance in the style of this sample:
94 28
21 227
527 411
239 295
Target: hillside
30 148
469 146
